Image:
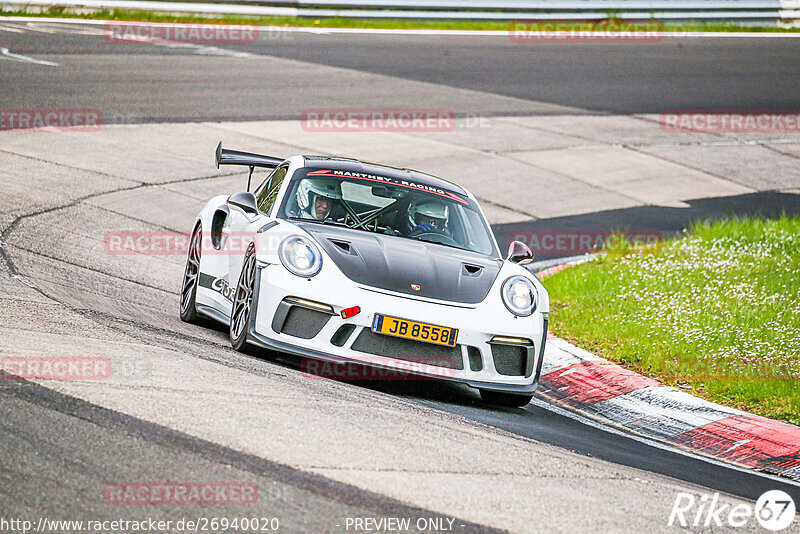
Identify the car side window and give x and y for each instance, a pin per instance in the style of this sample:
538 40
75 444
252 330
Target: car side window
266 197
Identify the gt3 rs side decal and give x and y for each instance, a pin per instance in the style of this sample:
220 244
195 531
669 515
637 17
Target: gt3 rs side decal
220 285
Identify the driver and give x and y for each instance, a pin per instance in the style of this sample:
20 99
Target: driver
318 197
428 216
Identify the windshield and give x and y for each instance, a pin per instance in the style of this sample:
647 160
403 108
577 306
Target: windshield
384 205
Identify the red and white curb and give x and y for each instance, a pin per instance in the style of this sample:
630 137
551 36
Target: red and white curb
611 394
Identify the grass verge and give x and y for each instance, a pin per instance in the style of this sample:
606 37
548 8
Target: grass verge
716 312
340 22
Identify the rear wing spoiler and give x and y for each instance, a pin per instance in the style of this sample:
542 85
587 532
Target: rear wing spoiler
248 159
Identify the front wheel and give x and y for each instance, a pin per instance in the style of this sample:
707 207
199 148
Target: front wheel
509 400
242 307
191 276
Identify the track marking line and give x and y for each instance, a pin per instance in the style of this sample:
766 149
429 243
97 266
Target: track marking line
203 50
23 281
738 444
5 53
12 29
64 29
386 31
41 28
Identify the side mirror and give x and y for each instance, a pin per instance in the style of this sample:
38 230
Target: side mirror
519 252
244 201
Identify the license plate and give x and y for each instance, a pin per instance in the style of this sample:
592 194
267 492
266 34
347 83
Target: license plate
427 333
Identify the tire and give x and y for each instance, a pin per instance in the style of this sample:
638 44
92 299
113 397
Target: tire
191 277
509 400
243 308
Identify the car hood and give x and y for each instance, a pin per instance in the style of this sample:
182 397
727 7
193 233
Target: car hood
408 266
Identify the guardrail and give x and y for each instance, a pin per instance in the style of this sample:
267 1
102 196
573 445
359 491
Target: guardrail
763 12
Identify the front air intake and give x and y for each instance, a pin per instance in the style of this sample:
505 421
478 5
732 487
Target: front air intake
342 335
304 323
510 360
408 350
475 359
300 318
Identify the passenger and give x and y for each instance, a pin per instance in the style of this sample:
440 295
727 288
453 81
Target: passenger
428 216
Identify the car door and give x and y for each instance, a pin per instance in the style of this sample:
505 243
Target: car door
243 226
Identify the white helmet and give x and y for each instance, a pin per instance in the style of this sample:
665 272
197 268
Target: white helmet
432 209
318 186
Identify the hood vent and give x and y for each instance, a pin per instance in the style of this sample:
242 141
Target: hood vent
344 246
471 270
398 264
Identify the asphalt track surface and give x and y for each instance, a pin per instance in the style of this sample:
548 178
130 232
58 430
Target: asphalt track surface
134 82
61 446
83 442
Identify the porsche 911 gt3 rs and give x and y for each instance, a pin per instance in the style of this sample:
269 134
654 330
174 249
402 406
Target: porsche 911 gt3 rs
340 260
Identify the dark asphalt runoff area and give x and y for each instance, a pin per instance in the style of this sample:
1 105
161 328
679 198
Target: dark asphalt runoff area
143 83
621 78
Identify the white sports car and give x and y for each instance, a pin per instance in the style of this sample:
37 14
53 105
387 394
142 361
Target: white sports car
338 260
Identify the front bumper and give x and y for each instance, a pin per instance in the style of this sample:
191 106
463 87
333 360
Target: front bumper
476 361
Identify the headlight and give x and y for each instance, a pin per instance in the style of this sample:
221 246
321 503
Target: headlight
519 295
300 256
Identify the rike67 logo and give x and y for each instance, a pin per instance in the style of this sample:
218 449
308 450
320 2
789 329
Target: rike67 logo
774 510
